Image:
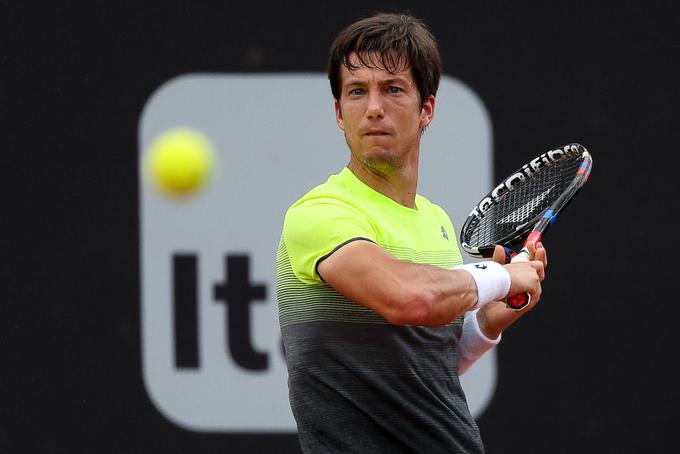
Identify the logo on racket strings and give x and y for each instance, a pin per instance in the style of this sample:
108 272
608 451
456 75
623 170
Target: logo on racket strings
523 212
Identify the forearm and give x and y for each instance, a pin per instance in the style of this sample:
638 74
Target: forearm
404 293
407 293
473 342
433 296
449 293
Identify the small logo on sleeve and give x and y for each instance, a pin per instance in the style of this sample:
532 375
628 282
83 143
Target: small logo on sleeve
444 234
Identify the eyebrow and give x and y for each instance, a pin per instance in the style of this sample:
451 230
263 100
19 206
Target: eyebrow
396 79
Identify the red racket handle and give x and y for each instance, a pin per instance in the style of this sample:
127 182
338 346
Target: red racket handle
518 302
521 300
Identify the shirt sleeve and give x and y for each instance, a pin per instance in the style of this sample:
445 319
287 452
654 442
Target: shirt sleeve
316 228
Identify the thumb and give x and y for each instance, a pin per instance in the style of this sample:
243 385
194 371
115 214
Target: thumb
499 255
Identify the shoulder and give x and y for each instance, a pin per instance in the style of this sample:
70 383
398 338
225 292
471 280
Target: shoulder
334 199
330 211
318 205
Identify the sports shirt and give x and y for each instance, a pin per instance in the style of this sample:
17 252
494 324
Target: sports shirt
357 383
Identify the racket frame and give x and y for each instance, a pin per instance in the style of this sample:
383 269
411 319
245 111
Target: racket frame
533 229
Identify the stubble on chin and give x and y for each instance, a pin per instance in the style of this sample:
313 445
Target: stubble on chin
383 163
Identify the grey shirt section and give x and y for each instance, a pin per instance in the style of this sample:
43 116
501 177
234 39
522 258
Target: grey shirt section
377 388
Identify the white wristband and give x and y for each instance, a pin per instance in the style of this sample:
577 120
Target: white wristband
492 279
473 342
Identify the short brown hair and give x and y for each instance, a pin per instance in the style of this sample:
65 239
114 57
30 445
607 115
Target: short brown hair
393 42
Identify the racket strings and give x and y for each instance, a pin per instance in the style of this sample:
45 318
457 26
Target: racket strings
524 203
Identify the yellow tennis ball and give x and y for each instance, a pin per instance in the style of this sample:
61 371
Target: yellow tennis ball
180 161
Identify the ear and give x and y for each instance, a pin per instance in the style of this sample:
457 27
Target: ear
427 112
338 115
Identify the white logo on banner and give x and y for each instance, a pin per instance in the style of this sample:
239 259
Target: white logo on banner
211 346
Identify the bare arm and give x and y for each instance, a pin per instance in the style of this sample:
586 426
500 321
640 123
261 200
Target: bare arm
408 293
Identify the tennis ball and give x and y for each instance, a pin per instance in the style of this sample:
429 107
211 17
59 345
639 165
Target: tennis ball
180 161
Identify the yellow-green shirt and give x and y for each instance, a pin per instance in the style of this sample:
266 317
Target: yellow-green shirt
356 382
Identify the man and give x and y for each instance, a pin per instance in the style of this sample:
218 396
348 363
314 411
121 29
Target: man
373 317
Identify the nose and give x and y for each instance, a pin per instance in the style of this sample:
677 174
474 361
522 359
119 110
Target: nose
374 109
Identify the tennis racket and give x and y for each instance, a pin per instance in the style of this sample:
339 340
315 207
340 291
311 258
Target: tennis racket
521 208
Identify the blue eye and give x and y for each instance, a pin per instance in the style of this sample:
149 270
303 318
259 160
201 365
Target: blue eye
394 90
357 92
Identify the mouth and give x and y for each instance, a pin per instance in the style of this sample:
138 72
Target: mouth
376 133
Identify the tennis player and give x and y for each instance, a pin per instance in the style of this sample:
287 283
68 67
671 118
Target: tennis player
378 314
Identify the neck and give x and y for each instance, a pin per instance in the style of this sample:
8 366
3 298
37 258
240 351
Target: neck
397 184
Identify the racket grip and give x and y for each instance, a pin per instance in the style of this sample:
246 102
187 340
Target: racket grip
521 300
518 302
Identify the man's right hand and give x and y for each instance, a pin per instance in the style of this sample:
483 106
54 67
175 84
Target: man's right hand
526 272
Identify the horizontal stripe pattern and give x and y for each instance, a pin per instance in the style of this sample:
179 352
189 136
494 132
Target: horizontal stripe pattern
300 302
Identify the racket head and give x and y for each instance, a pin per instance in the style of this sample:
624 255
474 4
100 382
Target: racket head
535 192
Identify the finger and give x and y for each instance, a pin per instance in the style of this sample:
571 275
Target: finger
531 247
540 269
544 254
499 254
541 255
536 291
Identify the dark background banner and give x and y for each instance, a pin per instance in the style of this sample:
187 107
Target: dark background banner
591 370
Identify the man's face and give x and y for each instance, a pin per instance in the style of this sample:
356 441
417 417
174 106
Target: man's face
381 115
